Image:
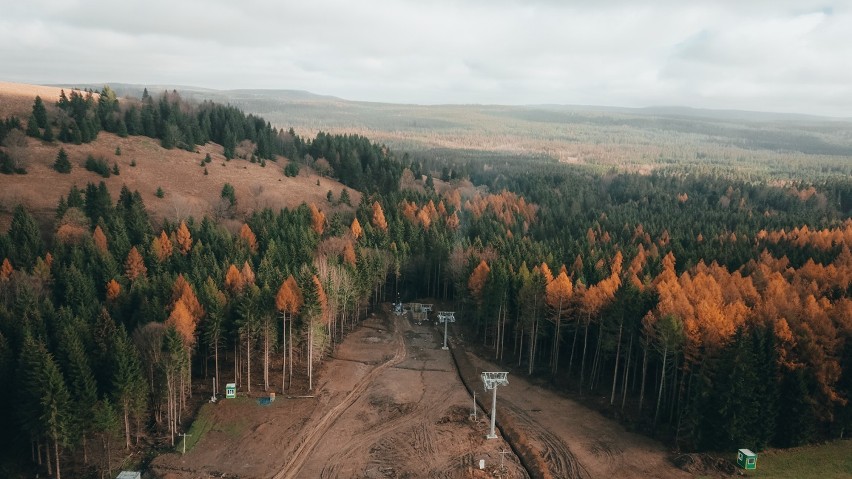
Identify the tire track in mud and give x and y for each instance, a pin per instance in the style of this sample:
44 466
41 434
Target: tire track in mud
560 460
384 433
312 439
556 461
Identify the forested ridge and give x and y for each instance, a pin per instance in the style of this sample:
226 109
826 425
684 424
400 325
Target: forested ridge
710 310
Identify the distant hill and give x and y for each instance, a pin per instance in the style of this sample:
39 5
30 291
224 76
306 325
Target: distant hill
188 191
632 139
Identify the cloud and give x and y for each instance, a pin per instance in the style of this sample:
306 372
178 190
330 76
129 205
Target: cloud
766 55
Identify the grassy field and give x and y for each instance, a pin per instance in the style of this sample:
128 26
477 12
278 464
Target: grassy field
203 422
827 461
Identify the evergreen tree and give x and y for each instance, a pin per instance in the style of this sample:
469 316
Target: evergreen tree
48 134
32 127
25 237
62 165
39 113
128 383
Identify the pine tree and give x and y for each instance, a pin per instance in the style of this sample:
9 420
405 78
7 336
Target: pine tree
128 384
62 165
25 238
32 127
48 134
39 113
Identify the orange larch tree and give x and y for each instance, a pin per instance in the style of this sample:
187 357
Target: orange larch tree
6 270
99 238
113 289
183 239
379 220
557 293
134 266
248 238
162 247
356 229
453 221
477 280
234 280
317 219
247 274
288 301
182 291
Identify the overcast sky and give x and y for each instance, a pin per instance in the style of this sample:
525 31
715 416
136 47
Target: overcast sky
767 55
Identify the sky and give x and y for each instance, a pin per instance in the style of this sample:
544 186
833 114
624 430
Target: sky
761 55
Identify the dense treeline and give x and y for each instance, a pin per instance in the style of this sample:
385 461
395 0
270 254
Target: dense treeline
103 335
709 309
354 160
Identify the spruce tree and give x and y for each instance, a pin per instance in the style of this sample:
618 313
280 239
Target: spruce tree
25 237
39 113
62 165
32 127
48 134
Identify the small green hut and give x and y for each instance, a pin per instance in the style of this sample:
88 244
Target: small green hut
230 390
746 459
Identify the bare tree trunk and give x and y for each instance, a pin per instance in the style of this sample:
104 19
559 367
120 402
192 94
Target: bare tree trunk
617 357
662 383
290 380
126 425
644 376
497 334
266 355
593 378
585 346
216 365
47 458
310 357
626 372
56 448
248 359
284 350
573 347
533 343
555 358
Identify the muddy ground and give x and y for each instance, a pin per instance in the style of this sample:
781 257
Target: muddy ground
389 404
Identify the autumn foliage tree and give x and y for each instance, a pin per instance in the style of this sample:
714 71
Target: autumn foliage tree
379 221
288 301
248 238
317 219
183 239
355 229
100 240
134 266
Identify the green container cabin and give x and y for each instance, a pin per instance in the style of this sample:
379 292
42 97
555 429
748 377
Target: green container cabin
746 459
230 391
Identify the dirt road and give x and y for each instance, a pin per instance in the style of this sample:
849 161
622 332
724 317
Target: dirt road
389 403
412 421
576 441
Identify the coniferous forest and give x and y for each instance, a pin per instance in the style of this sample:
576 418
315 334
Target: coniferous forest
707 309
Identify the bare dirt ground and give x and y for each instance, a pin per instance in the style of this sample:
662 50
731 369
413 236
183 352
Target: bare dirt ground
389 404
577 441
